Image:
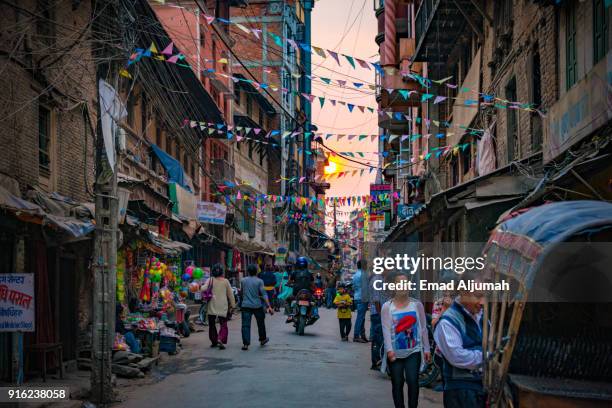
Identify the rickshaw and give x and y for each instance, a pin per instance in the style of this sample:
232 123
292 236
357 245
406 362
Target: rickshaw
548 341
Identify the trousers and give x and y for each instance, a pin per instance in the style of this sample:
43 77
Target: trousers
260 316
221 336
345 327
406 371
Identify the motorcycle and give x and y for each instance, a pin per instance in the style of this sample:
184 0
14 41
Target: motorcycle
304 311
319 296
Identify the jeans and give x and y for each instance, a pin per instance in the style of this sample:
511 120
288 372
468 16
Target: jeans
260 317
330 294
221 337
376 337
406 370
132 342
464 399
345 327
362 308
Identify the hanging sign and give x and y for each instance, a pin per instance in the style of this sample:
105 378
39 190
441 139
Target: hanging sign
211 213
407 211
17 302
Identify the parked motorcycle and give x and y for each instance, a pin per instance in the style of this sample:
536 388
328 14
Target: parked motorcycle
304 305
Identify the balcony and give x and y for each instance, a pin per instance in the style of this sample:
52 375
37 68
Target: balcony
222 170
439 23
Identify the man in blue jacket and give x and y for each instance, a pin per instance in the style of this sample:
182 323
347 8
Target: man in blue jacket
458 334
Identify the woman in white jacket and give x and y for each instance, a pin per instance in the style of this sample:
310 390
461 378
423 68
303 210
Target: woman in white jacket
405 339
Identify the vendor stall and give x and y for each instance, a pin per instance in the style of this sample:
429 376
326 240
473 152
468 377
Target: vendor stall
549 342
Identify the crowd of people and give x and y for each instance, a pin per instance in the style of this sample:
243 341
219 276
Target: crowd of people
399 333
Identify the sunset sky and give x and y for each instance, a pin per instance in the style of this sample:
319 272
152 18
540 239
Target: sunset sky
347 27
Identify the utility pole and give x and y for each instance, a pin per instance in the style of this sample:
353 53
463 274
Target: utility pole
105 237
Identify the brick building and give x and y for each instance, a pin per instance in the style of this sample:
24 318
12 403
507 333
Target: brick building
46 166
514 107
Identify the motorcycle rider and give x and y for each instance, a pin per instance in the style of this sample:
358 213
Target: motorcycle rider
300 279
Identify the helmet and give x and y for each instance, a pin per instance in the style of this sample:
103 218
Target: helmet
301 262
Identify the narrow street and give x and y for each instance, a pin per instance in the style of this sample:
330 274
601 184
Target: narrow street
290 371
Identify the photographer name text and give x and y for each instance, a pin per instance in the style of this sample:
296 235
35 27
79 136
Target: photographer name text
425 285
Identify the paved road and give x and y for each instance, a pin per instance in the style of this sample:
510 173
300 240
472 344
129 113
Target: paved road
291 371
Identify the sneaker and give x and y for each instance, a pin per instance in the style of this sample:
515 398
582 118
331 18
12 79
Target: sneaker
245 347
264 341
359 340
345 339
221 346
214 345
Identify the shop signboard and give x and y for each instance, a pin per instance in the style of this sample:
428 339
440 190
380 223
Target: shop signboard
581 111
407 211
211 213
379 202
17 302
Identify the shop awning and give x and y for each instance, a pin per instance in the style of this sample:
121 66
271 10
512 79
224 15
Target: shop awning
49 213
11 202
168 246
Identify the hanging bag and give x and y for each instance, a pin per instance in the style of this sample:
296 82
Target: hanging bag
207 294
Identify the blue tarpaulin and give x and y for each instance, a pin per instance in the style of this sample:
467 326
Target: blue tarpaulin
176 174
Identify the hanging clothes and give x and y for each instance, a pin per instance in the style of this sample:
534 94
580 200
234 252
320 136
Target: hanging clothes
486 160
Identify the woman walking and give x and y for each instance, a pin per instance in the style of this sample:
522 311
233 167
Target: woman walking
219 306
405 338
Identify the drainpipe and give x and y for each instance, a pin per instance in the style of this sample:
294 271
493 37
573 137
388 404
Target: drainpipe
389 54
198 42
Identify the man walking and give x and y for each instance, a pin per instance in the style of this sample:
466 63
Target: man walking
458 334
253 292
362 307
331 281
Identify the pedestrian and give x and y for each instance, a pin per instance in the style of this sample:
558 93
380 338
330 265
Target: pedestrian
269 280
343 302
405 337
377 299
359 335
331 280
254 298
439 307
458 334
219 307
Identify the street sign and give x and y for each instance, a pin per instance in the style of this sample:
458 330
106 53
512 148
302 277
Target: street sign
406 211
17 302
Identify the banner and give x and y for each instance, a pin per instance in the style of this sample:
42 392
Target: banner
17 302
211 213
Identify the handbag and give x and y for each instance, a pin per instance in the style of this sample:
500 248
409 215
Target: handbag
207 294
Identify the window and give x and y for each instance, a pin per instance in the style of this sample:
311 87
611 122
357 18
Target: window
44 21
185 160
169 146
536 98
214 55
466 158
44 140
454 164
144 119
511 123
600 30
158 136
202 37
261 117
130 110
249 106
237 94
571 60
248 218
251 149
